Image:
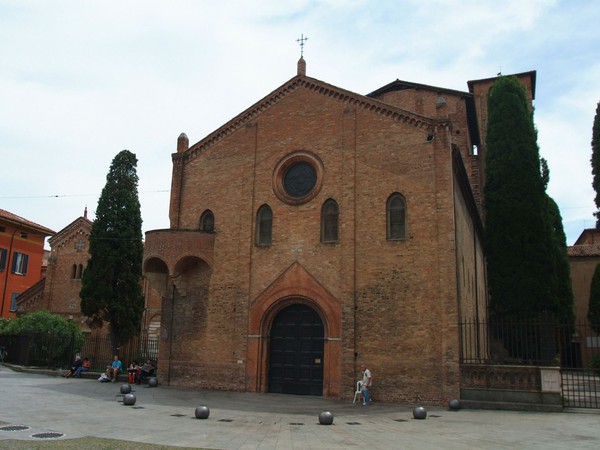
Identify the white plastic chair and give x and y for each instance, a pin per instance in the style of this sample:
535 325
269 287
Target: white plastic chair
358 390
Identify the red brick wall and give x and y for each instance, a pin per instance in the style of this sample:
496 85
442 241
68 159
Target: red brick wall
393 304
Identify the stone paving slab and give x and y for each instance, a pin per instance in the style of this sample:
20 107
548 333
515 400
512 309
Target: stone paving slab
165 416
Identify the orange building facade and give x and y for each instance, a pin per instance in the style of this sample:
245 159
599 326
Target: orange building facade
21 258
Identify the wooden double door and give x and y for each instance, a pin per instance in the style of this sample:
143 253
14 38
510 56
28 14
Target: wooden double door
296 352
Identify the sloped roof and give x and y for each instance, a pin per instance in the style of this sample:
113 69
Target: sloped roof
588 236
26 225
587 250
325 89
532 74
69 229
399 85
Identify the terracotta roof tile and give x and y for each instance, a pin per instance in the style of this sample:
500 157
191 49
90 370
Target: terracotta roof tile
575 251
18 220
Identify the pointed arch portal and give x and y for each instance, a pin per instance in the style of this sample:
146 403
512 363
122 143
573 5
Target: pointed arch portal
296 352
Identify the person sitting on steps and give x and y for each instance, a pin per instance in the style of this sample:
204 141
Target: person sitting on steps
85 367
76 365
133 371
114 369
147 370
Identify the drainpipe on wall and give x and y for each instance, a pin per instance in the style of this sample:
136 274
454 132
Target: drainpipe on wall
171 335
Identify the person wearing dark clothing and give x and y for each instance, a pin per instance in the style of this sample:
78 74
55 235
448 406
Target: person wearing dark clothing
147 370
76 365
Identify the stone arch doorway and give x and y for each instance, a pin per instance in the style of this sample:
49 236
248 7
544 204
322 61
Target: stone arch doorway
296 351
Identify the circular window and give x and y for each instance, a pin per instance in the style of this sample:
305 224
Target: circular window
299 180
298 177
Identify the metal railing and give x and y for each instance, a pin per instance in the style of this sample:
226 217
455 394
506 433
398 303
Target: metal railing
41 350
575 348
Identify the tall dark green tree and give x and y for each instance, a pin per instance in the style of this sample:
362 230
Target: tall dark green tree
563 306
594 302
111 290
519 238
596 163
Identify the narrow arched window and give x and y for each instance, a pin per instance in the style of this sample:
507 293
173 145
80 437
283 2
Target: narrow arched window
264 225
329 221
207 221
396 217
74 271
79 271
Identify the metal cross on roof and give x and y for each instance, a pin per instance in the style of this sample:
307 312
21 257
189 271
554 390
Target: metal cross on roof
302 40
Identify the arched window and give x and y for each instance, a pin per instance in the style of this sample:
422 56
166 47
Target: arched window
264 225
396 217
207 221
74 271
329 221
80 271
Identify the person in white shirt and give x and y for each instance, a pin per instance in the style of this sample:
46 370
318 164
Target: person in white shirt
367 382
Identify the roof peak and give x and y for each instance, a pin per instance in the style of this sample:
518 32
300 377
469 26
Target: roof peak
302 66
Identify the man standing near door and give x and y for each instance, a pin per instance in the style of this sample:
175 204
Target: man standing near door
367 382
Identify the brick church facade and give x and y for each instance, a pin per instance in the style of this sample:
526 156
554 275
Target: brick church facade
321 229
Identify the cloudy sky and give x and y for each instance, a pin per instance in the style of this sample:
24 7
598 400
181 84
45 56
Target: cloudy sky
82 80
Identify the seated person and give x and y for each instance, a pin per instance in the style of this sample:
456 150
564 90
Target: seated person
133 371
147 370
85 367
114 369
76 365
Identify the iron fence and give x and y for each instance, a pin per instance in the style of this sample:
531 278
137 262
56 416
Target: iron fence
42 350
572 346
99 351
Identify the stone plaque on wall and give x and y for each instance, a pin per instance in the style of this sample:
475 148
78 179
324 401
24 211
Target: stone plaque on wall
550 380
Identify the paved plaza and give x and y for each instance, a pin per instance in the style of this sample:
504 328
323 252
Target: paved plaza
36 404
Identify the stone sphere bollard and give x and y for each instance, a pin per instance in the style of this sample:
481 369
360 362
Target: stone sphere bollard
454 404
325 418
202 412
129 399
152 382
419 413
125 389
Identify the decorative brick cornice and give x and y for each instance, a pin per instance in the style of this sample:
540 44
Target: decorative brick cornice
352 99
79 227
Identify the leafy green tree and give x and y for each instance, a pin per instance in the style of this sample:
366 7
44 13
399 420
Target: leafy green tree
596 162
594 305
53 338
519 240
111 290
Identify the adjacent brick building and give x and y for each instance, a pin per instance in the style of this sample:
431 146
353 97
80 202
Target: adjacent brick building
59 291
584 256
320 229
21 258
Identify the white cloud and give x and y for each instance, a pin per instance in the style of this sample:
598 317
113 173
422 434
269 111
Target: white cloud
82 80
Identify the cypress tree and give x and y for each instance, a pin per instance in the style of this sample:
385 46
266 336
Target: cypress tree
563 307
594 302
518 235
111 290
596 163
